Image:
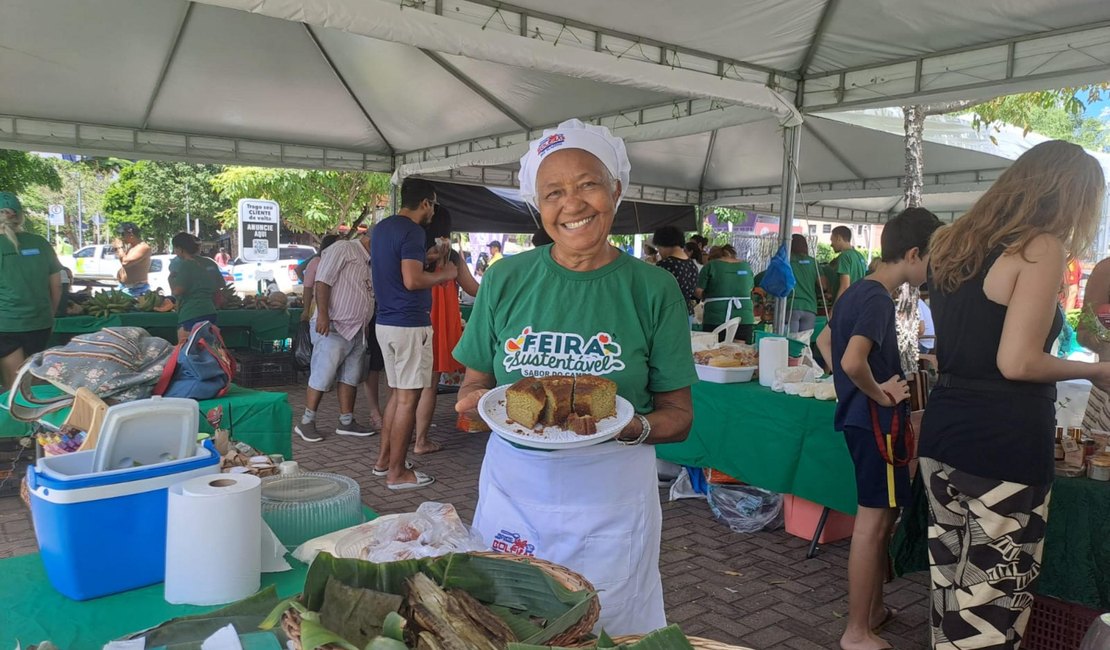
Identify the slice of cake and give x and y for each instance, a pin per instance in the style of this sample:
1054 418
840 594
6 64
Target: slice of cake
583 425
559 392
525 400
595 396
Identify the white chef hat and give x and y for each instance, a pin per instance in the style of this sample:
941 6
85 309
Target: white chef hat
574 134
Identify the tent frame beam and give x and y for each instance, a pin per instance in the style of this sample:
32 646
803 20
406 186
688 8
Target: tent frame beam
34 134
617 43
477 89
815 41
507 148
185 15
346 86
708 158
831 213
947 182
1062 56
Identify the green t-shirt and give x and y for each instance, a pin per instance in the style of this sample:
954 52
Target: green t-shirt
720 279
805 288
626 321
25 273
195 277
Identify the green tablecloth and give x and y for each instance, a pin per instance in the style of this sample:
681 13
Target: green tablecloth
238 325
775 441
259 418
34 612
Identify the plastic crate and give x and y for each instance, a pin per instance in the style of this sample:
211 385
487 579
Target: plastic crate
802 517
265 370
1056 625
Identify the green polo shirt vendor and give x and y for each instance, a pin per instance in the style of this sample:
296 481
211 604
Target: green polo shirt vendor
851 265
726 284
581 306
803 301
194 281
30 289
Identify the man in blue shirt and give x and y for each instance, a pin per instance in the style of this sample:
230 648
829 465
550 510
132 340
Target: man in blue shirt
861 343
404 324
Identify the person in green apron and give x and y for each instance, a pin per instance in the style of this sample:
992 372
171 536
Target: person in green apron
803 301
726 285
851 266
582 306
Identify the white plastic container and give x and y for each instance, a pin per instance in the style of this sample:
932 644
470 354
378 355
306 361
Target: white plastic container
716 375
147 432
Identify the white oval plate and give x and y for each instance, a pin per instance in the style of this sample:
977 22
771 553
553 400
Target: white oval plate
492 408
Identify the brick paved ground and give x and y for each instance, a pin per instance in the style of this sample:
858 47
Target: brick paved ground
754 590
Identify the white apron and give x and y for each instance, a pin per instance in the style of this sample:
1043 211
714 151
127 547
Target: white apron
594 510
733 301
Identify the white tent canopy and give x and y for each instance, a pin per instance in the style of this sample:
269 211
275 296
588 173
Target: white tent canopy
698 90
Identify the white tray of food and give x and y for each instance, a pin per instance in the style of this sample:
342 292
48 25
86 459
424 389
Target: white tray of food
533 404
726 364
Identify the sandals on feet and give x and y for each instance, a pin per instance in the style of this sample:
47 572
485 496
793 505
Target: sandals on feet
385 472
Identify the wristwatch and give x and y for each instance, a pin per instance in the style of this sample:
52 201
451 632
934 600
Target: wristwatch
646 425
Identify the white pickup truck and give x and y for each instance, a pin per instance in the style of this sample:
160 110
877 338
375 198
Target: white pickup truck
98 261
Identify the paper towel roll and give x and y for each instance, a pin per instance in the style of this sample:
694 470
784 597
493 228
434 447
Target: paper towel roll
773 354
213 539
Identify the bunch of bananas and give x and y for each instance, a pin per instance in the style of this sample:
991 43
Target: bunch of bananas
231 300
107 303
149 300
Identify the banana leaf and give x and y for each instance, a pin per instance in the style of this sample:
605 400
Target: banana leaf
514 591
357 615
190 631
668 638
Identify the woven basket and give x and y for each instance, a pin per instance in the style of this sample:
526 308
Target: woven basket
291 620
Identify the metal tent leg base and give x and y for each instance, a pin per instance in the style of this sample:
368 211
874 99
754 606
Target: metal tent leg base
817 534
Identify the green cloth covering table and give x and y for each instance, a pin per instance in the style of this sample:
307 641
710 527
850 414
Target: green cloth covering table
239 326
34 612
1076 563
771 440
264 420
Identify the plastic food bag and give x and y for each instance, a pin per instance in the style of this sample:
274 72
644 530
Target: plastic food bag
302 347
434 529
745 508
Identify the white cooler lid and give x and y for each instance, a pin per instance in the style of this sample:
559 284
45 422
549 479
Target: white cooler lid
147 432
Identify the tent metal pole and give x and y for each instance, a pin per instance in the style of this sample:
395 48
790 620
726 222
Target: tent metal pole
791 147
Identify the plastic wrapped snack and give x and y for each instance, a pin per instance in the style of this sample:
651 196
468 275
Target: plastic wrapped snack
434 529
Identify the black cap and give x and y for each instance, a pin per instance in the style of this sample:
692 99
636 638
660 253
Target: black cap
128 228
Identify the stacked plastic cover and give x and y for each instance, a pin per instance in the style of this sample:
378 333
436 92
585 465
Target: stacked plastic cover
303 506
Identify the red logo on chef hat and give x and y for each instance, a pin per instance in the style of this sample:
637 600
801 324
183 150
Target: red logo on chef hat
550 142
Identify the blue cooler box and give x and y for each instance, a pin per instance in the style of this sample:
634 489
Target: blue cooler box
103 533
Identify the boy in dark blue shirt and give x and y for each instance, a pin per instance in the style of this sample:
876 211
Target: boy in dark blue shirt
861 342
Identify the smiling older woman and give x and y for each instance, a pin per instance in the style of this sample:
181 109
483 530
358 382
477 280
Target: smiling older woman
593 509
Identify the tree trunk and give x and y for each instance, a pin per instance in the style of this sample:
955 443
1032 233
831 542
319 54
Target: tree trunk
906 316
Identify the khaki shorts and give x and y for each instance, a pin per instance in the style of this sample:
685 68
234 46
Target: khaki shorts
407 352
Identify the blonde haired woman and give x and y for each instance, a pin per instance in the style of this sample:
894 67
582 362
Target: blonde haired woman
987 440
30 289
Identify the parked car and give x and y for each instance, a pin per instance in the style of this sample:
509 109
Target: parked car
283 272
97 261
159 277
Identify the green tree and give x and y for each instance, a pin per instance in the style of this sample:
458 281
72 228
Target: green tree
1053 113
20 171
160 197
80 191
311 201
